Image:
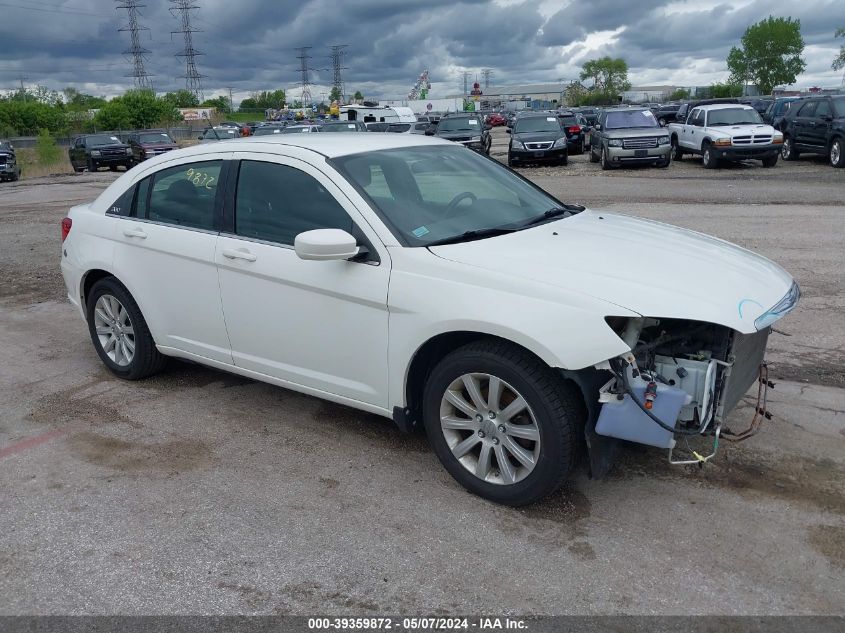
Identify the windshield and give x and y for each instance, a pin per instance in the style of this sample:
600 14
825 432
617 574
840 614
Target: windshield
101 139
427 194
459 124
399 127
630 118
157 137
733 116
221 134
568 120
537 124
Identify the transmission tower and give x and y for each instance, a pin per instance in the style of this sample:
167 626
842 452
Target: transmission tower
181 9
136 54
337 67
487 73
465 75
303 58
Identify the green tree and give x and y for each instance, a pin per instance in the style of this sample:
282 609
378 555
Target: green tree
114 115
182 99
269 99
248 104
335 95
46 148
609 75
358 96
220 102
722 91
78 101
839 60
769 54
679 94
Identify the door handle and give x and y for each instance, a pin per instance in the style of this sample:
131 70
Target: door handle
139 233
239 254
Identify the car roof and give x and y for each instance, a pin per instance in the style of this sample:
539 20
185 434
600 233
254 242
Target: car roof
724 106
328 144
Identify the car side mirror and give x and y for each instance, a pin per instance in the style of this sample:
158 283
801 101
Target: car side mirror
597 126
508 130
325 245
199 138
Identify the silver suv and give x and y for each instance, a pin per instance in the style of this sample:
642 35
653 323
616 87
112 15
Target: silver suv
629 135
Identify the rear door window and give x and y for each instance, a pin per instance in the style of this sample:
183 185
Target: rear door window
807 110
185 195
823 109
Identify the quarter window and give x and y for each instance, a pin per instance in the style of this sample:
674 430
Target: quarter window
184 195
277 202
123 205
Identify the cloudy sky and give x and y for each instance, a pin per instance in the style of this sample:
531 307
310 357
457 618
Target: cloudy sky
249 44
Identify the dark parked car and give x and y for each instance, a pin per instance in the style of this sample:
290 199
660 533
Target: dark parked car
9 168
93 151
537 139
759 104
267 130
777 110
591 114
469 130
576 131
150 143
665 114
816 126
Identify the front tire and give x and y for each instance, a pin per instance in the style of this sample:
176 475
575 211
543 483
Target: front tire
837 153
770 161
708 158
677 152
787 150
120 333
605 162
506 426
91 165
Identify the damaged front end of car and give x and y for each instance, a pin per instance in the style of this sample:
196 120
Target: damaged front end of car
677 385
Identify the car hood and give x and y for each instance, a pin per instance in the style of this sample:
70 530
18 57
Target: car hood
109 146
647 267
634 132
745 128
157 145
538 137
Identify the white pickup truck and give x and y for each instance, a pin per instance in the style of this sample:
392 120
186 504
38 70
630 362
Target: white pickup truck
729 131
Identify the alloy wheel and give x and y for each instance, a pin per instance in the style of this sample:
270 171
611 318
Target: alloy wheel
836 153
786 149
115 331
490 428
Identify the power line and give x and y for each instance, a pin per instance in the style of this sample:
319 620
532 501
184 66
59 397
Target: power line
193 79
135 53
487 73
50 10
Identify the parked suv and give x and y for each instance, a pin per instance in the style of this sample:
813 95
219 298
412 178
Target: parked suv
93 151
777 110
536 139
817 126
9 168
666 113
468 130
576 131
629 135
150 143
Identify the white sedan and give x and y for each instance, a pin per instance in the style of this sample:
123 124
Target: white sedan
413 278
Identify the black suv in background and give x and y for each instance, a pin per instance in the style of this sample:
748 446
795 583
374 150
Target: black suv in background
93 151
777 110
469 130
537 139
576 128
815 126
665 114
150 143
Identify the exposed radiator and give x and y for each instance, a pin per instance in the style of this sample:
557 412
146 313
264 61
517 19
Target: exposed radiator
747 351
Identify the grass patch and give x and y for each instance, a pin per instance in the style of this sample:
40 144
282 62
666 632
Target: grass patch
33 167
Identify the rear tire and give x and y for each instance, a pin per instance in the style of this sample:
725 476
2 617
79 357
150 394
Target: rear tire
538 444
677 152
134 350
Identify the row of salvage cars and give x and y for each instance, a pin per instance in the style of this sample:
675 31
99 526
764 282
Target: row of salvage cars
414 278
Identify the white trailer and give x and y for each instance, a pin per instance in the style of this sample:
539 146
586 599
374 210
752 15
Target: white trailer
377 114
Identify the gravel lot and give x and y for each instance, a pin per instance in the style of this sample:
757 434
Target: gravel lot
201 492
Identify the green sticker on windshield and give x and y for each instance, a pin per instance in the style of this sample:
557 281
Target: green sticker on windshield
420 231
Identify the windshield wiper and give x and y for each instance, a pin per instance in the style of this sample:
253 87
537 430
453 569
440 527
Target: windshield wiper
554 212
476 234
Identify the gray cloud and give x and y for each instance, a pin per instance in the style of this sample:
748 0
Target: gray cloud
249 46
